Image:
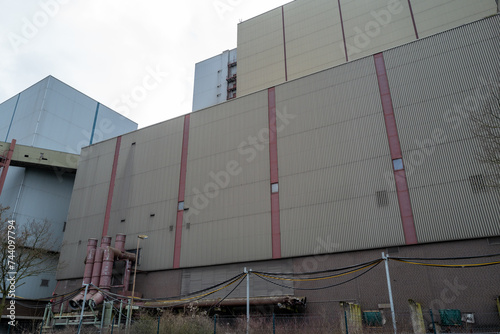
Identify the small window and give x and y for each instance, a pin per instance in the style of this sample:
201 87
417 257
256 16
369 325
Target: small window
477 183
382 198
180 206
274 188
45 283
122 221
64 226
398 164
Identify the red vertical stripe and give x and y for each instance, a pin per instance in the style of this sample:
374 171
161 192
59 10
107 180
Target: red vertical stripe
343 32
111 186
413 19
273 161
182 191
6 163
284 41
395 149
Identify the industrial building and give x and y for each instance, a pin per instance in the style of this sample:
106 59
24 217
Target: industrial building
215 80
333 152
42 131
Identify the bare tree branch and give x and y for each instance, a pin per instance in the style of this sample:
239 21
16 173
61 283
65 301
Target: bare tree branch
32 255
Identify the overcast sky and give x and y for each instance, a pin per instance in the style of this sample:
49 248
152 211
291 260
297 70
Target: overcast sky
109 49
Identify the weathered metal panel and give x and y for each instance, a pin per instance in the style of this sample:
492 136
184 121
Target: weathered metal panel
375 25
435 85
227 184
145 197
332 153
433 16
313 34
261 62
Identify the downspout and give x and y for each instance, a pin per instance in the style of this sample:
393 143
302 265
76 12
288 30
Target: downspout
87 274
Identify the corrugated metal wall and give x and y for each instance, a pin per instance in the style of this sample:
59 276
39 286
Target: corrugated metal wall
433 16
435 84
314 39
227 184
373 26
313 34
87 207
332 157
147 183
260 52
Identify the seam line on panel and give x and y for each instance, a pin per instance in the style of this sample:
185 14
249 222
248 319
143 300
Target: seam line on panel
95 122
181 194
343 32
402 190
284 41
12 118
111 187
413 19
274 177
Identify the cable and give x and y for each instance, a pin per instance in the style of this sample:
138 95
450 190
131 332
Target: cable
320 288
472 265
230 292
443 258
320 272
319 278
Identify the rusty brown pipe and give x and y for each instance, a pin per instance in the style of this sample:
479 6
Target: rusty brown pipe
87 273
109 255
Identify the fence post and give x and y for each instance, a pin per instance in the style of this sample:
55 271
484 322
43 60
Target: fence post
386 258
215 324
345 319
158 330
274 324
432 319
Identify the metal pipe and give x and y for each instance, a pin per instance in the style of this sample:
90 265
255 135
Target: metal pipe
87 274
81 314
126 276
108 258
120 242
386 258
248 298
96 272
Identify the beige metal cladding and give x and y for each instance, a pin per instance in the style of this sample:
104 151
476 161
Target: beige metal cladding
227 184
436 84
146 191
372 26
260 52
87 207
433 16
313 34
333 159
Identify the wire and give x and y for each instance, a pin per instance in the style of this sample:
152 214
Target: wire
319 278
230 292
324 287
472 265
319 272
443 258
